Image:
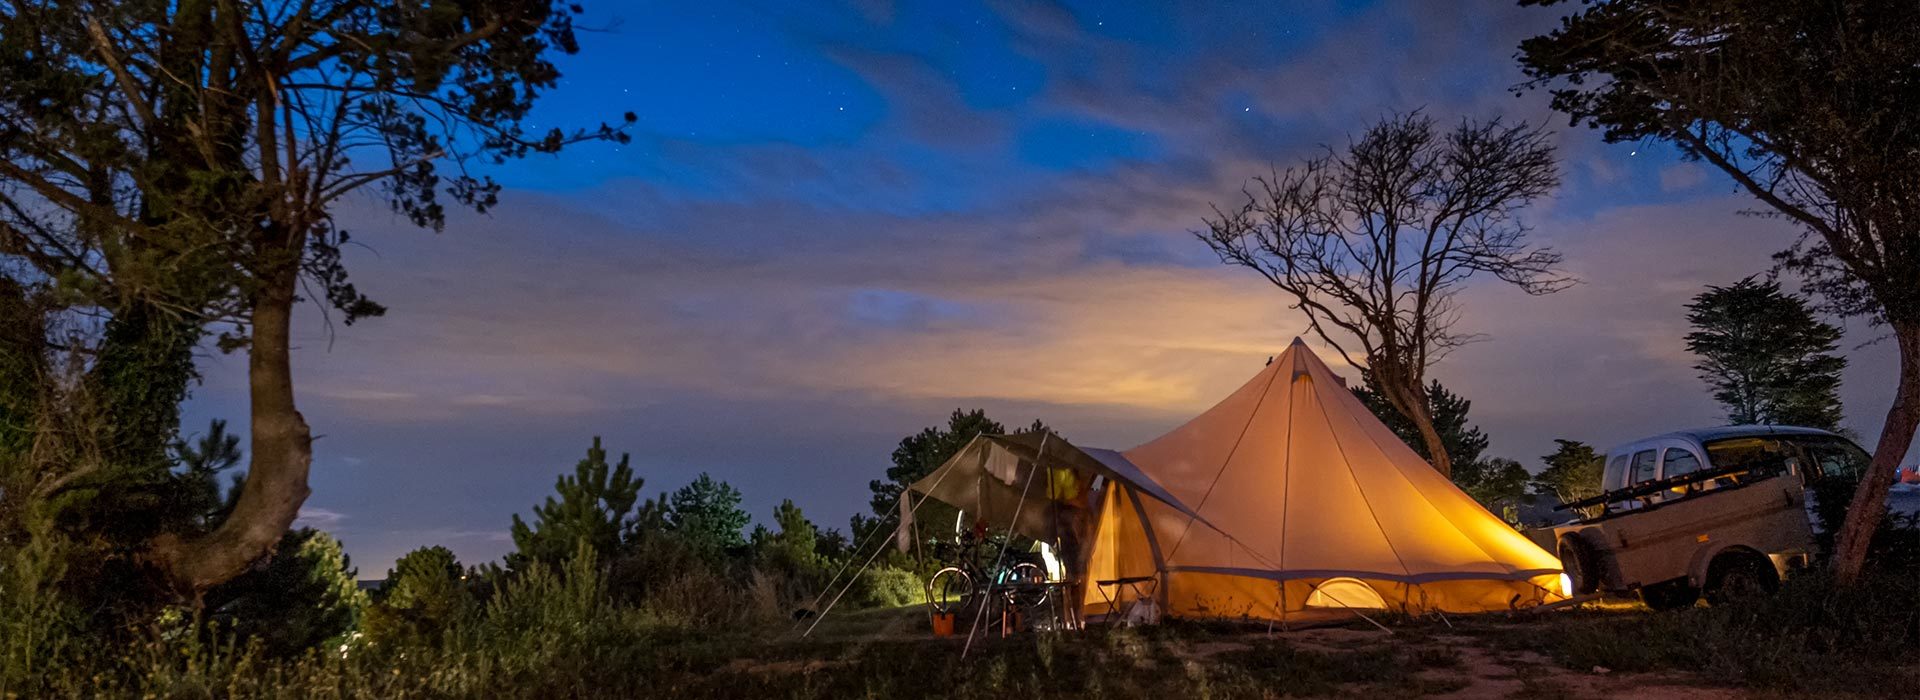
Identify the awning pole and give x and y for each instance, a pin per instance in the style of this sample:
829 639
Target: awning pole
904 494
1004 542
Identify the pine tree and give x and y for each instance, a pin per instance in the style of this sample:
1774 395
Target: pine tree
594 505
1767 357
425 594
1572 473
304 596
707 514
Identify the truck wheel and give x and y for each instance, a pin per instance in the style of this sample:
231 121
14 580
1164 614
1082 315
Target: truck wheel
1672 595
1577 559
1739 577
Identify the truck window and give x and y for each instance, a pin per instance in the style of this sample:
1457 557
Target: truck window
1838 458
1678 462
1643 468
1617 469
1752 457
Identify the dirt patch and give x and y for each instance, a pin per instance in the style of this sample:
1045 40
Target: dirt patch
1493 673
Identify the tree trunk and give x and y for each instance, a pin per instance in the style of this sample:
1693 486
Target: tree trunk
276 481
1870 499
1409 396
1436 448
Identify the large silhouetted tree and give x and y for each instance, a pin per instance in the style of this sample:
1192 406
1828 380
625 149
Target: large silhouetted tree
1767 357
1374 242
1807 106
173 167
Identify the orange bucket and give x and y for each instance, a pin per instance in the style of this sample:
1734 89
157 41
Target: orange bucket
943 624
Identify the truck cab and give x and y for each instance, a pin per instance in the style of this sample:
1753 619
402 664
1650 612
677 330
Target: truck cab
1724 511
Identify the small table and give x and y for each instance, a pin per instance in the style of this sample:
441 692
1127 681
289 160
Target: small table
1115 612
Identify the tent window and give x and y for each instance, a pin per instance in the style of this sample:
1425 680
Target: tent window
1345 593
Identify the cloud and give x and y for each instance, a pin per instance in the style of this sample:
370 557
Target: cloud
320 518
780 313
1680 177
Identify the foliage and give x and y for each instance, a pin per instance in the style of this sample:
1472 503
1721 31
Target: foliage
1806 106
1374 242
170 167
887 587
593 505
1464 443
706 513
1573 472
306 596
42 631
200 464
1768 359
1498 483
424 597
790 556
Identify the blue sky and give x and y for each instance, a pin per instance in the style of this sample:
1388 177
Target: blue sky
838 222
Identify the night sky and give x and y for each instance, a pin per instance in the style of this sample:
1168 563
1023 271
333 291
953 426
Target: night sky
835 225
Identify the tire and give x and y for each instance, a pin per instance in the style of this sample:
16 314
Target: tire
1737 577
948 590
1578 561
1672 595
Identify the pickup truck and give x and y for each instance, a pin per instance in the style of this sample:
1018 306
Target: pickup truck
1720 511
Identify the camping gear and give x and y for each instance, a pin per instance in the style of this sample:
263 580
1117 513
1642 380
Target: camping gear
1289 499
943 624
1135 595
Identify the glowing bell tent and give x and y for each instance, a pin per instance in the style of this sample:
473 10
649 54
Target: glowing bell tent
1286 500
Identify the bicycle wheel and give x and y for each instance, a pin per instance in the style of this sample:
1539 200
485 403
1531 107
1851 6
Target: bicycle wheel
1029 573
949 590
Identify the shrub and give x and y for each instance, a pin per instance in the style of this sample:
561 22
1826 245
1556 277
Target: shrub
886 587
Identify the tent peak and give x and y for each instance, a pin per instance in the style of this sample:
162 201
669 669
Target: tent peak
1297 340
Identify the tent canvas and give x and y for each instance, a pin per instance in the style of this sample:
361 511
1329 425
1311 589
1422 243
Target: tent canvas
993 479
1290 498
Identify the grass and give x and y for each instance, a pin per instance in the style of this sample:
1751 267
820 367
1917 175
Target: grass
560 637
1810 638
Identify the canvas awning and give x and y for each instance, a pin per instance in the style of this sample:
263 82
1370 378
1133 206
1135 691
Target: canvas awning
987 478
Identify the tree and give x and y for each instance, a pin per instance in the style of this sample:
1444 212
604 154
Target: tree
1375 242
1572 472
707 514
1464 443
1498 484
201 463
425 594
793 544
173 165
1766 356
593 507
305 595
1809 107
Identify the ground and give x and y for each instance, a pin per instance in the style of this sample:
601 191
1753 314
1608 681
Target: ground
889 654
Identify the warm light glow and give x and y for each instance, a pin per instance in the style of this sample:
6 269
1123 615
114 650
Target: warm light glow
1345 593
1566 585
